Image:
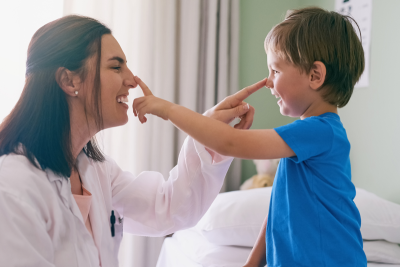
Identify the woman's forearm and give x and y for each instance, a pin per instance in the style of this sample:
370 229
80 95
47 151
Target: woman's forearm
257 255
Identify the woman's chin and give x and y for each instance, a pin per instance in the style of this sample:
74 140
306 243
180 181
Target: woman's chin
124 121
116 122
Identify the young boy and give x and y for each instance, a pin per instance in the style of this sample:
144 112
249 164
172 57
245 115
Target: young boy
314 60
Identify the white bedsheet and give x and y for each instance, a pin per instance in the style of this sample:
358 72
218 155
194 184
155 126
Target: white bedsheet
172 256
188 248
370 264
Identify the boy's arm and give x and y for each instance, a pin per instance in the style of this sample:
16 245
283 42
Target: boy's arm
257 257
218 136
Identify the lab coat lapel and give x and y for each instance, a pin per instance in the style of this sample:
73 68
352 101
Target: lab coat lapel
97 213
63 188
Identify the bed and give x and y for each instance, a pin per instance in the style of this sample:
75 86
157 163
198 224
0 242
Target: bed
227 232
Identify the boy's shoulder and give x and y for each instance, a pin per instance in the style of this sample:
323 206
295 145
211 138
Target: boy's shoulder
315 136
329 117
323 126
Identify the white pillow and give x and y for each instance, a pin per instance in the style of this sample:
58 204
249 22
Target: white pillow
380 219
382 251
235 218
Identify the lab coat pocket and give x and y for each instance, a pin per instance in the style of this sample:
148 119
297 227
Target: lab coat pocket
119 229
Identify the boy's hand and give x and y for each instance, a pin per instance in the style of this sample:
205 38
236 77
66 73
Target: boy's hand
149 104
233 106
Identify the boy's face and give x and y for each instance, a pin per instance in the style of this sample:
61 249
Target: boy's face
290 85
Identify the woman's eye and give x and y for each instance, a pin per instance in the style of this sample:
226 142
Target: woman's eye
117 68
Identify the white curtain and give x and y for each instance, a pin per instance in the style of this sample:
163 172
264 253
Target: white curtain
187 53
19 20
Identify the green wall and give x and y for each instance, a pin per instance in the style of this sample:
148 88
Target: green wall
257 17
372 117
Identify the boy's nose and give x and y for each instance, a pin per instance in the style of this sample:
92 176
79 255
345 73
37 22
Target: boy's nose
269 84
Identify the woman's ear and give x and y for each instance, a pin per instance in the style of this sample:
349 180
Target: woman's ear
317 75
68 81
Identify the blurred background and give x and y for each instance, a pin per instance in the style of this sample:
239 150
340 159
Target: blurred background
195 53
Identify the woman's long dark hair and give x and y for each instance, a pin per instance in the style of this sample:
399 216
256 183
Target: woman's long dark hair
39 125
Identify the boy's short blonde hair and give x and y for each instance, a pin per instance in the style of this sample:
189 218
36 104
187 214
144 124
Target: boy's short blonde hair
313 34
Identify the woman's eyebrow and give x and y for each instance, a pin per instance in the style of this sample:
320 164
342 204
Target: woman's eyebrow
119 59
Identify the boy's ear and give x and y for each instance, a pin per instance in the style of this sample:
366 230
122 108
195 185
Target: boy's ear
317 75
68 81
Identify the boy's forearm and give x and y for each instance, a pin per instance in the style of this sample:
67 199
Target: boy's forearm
228 141
209 132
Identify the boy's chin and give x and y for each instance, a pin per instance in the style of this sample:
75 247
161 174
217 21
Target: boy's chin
285 112
289 114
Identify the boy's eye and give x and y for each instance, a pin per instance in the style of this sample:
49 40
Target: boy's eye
274 71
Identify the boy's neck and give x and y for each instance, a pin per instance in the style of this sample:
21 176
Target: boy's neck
319 109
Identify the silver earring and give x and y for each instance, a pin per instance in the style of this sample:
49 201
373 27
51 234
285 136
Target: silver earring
76 92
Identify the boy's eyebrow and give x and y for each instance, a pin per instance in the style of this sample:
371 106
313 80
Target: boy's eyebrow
119 59
276 64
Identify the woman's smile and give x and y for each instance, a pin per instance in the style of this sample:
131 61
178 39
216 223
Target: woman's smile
122 100
116 80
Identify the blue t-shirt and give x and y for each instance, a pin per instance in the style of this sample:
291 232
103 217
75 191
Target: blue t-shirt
313 220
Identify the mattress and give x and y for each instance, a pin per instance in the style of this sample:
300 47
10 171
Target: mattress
189 248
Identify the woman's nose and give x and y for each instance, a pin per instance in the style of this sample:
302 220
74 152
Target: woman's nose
130 80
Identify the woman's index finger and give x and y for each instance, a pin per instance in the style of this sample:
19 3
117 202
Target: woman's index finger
143 86
247 91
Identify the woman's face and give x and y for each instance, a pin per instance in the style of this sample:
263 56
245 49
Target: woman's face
115 80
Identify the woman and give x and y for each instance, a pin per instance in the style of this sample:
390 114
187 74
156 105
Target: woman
62 202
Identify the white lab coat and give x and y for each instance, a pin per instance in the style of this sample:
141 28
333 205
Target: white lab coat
41 224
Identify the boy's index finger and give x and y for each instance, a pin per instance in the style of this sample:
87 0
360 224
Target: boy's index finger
143 86
247 91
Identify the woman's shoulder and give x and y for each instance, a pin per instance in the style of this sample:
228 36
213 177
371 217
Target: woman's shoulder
18 176
15 163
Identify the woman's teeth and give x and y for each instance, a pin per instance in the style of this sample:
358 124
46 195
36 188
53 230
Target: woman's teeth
123 99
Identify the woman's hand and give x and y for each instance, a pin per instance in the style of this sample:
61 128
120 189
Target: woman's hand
149 104
233 106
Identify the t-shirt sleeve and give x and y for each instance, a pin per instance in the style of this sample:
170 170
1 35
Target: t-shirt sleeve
307 138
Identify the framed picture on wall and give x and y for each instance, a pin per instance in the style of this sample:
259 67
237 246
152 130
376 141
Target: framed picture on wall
361 12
